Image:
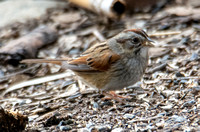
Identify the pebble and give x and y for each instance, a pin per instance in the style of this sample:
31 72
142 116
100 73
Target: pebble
188 129
107 103
151 126
65 128
104 128
1 73
90 124
95 105
99 128
183 81
165 58
177 118
161 114
129 116
83 130
179 74
67 122
32 117
175 82
194 57
189 103
118 130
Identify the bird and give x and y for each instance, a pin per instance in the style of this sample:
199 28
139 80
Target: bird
114 64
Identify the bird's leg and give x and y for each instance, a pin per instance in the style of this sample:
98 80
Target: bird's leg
112 95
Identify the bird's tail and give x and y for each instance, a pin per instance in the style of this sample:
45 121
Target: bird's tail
52 61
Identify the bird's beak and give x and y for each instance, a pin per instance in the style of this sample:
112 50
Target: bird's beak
150 43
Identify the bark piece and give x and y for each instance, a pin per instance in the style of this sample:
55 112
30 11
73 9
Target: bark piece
109 8
27 46
12 121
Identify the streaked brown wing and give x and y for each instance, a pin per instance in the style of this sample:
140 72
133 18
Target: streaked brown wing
97 58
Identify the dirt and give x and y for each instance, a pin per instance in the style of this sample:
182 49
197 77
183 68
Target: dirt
166 99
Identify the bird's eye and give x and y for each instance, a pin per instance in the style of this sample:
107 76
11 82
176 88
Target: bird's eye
135 40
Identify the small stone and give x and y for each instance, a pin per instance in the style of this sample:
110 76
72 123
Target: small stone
194 57
95 105
104 128
189 103
129 116
67 122
111 109
150 126
179 74
106 103
65 128
165 58
89 125
167 107
32 118
183 81
188 129
100 128
118 130
1 73
177 118
175 82
164 27
83 130
161 114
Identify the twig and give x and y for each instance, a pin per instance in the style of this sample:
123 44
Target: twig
144 119
164 33
181 78
19 72
99 35
161 54
35 81
157 68
184 95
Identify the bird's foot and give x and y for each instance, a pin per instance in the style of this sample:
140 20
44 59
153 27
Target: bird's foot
112 95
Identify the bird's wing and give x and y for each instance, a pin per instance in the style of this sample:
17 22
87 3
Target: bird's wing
96 58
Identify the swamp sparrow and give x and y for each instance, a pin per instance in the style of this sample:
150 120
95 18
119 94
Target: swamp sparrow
111 65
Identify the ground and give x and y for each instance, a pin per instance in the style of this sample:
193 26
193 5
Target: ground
166 99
